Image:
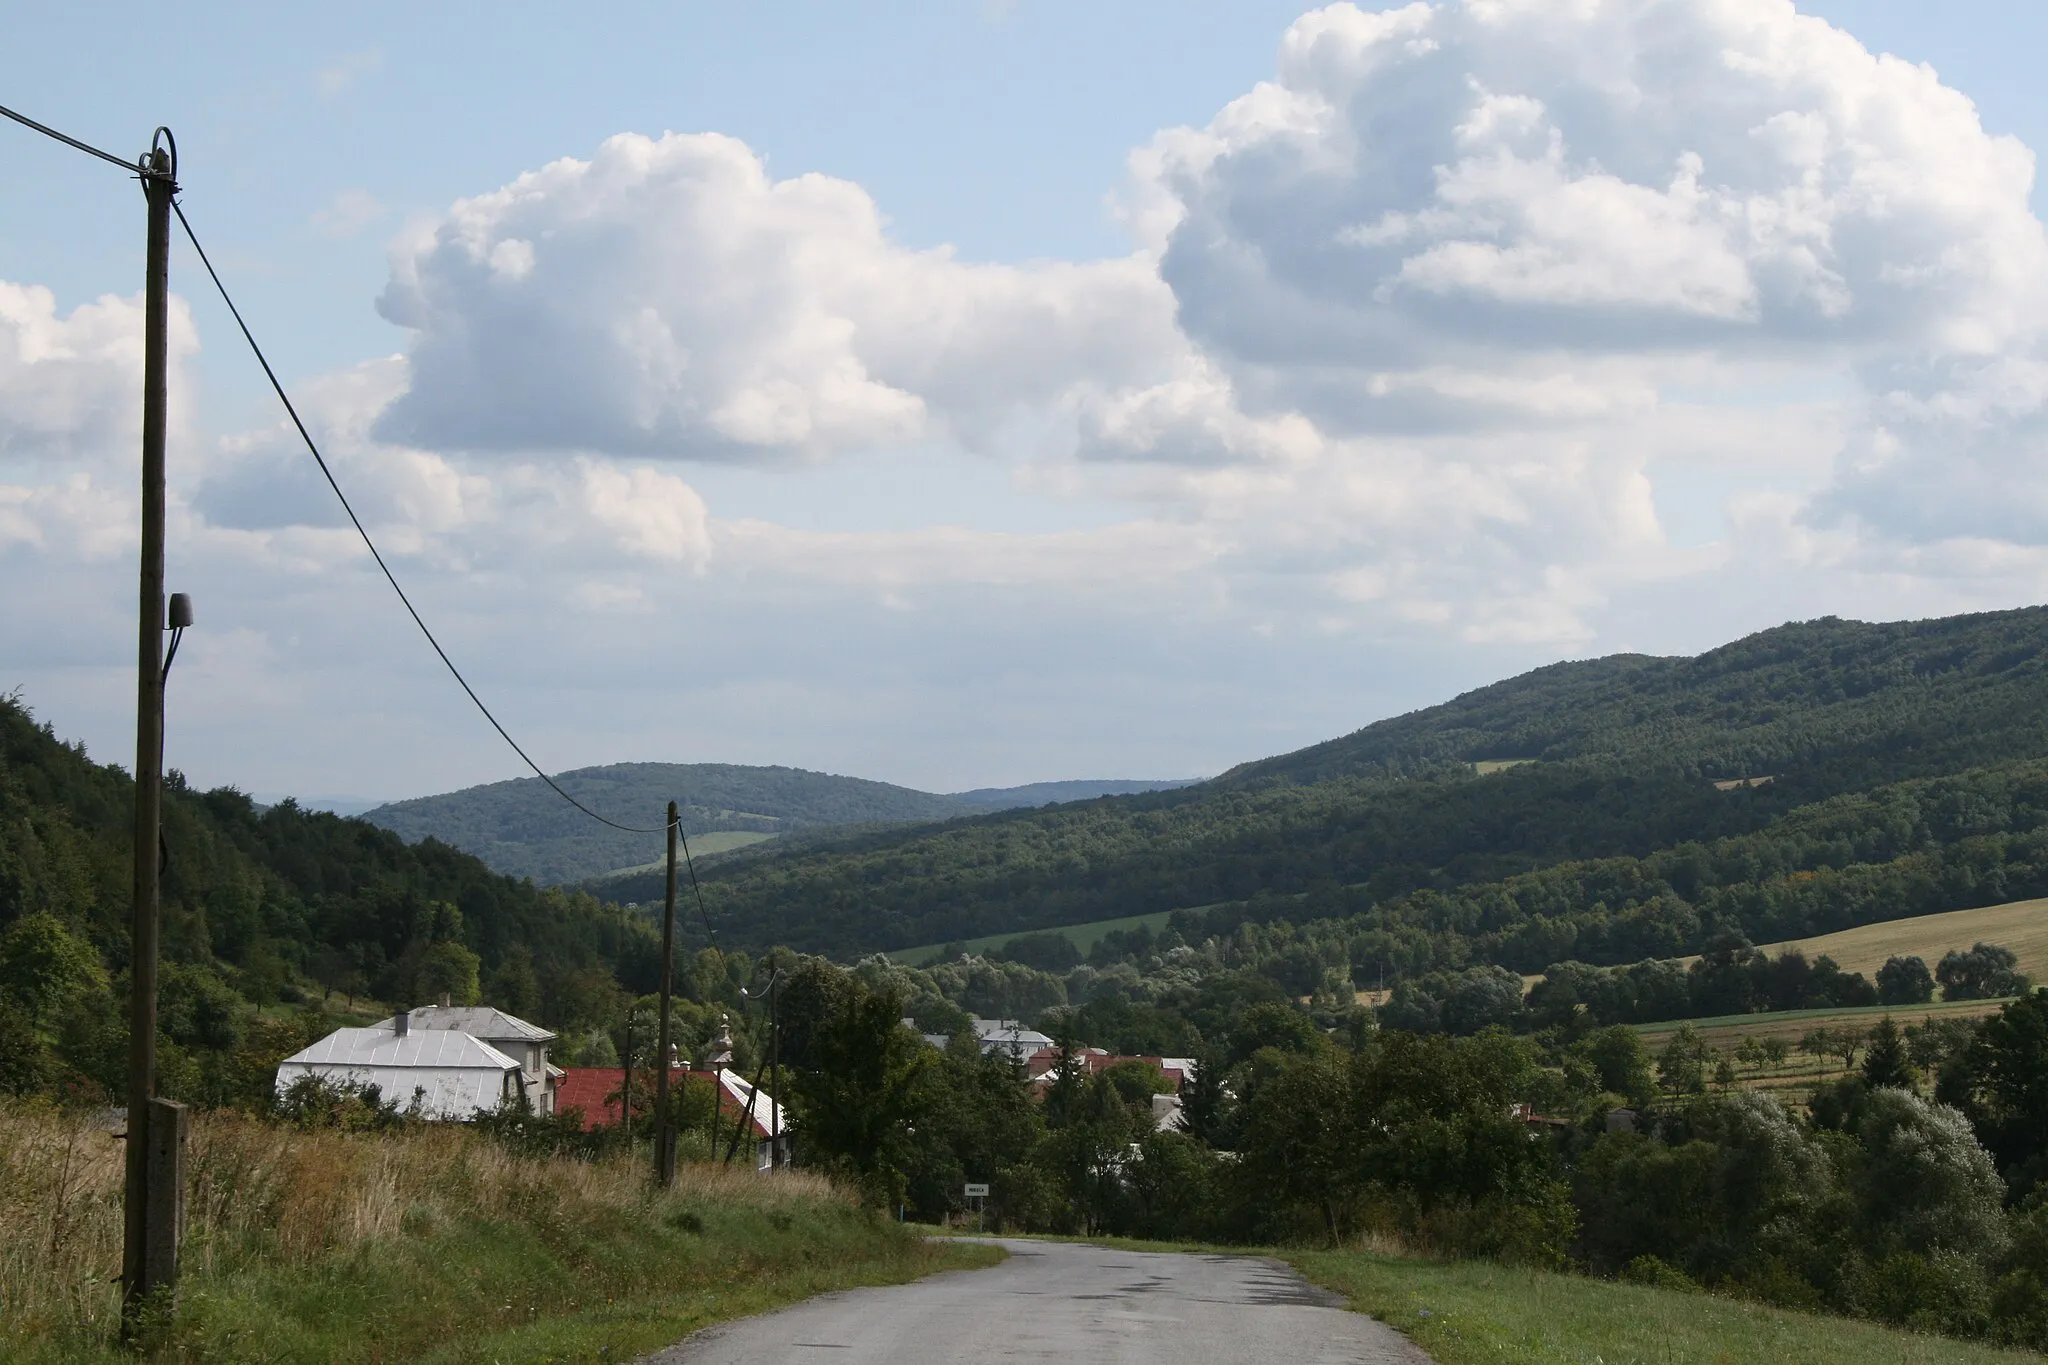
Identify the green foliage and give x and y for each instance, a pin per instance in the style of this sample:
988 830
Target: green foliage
2001 1083
1887 1062
44 967
860 1093
1271 1024
1865 730
1620 1063
1925 1185
517 827
1986 972
268 915
1904 981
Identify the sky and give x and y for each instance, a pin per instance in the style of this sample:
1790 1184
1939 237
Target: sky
966 395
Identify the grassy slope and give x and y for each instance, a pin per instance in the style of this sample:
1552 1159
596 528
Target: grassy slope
2019 925
1082 936
702 846
424 1245
1479 1313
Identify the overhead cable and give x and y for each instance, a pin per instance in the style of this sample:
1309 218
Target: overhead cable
375 554
144 169
313 448
133 168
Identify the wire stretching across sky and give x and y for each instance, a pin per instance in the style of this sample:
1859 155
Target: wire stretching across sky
389 577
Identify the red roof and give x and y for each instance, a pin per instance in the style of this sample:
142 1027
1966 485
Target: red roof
596 1091
593 1089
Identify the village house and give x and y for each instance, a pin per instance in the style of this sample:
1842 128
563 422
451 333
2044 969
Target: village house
441 1062
437 1074
525 1043
1008 1036
598 1094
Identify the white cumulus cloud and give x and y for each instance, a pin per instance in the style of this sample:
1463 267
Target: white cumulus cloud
669 297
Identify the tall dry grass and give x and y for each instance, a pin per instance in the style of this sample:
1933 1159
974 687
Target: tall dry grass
264 1194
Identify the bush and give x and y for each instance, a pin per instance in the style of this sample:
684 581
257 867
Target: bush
1904 981
1986 972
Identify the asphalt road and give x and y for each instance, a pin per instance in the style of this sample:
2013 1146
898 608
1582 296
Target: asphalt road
1067 1302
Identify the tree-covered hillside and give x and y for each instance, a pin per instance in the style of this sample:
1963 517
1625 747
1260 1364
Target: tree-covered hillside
261 909
1628 752
1869 702
523 829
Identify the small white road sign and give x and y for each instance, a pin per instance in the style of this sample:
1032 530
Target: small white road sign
975 1191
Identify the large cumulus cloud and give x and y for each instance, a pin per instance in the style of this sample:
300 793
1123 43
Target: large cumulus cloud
670 297
1494 184
1414 330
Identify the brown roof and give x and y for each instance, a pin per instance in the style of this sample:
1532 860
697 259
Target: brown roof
596 1091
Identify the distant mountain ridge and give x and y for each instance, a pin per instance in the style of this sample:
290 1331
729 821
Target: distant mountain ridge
521 828
1628 751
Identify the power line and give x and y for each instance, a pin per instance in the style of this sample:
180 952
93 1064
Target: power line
143 169
133 168
314 449
375 554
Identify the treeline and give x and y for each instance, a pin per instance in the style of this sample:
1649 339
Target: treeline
1858 702
519 828
1626 752
1573 1148
1913 848
275 921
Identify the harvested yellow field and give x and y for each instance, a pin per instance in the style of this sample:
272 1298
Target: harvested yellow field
2019 925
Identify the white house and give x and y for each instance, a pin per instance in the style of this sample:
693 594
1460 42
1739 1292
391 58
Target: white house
766 1121
1009 1036
441 1073
525 1043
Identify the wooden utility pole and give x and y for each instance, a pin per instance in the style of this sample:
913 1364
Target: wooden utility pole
664 1121
775 1072
626 1085
149 1252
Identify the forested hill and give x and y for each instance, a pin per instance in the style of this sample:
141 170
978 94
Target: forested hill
258 905
1628 751
523 829
1897 699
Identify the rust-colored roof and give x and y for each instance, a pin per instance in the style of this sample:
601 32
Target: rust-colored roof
596 1089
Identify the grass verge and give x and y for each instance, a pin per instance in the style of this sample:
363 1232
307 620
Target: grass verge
1480 1313
428 1244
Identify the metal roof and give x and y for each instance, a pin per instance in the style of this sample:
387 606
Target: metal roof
761 1108
478 1021
421 1047
446 1075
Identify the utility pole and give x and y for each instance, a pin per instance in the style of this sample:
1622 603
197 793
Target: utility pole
775 1072
626 1086
149 1248
664 1121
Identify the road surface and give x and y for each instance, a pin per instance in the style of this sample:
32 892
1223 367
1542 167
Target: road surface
1067 1302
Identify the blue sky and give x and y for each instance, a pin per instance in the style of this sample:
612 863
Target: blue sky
1055 581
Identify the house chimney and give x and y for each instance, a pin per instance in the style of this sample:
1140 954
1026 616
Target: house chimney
444 1000
401 1023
